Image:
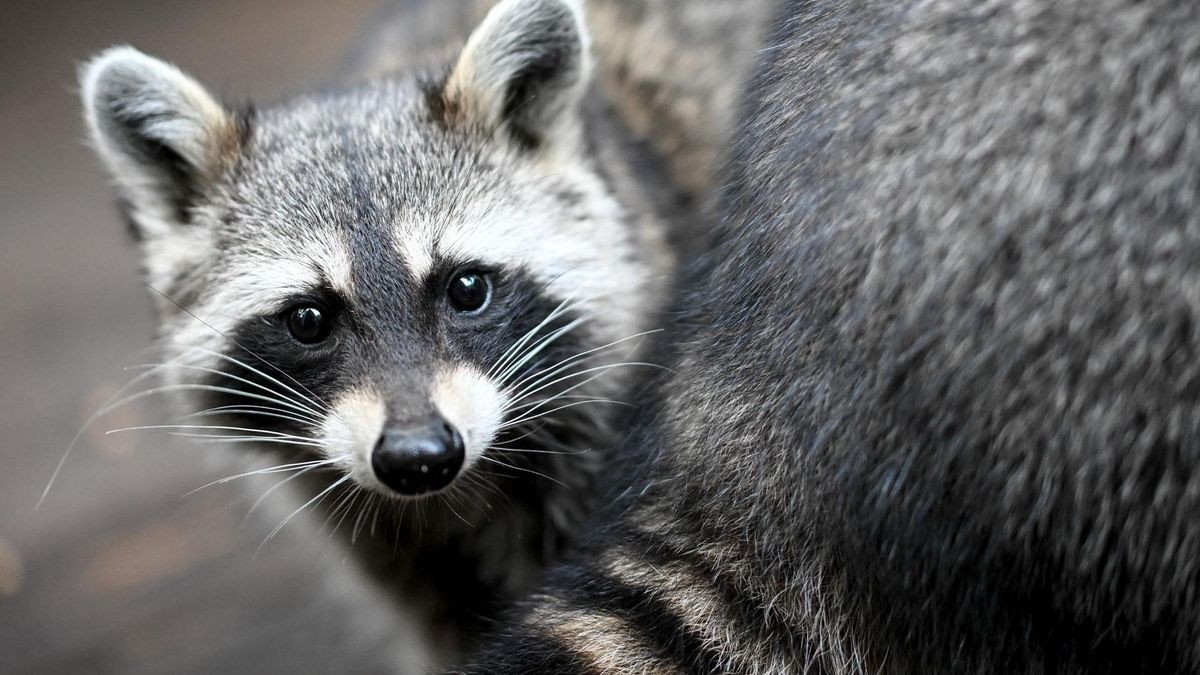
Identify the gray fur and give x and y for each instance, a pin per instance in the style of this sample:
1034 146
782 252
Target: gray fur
935 408
361 192
672 69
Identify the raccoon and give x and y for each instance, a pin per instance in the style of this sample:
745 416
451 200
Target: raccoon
934 407
422 293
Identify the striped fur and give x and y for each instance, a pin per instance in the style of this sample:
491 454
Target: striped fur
935 405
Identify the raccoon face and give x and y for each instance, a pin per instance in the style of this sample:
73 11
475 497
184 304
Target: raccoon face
400 280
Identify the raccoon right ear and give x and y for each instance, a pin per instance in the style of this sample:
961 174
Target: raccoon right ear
523 69
161 134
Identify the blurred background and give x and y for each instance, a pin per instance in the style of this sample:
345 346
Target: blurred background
118 572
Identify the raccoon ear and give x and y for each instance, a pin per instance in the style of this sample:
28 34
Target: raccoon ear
161 134
524 68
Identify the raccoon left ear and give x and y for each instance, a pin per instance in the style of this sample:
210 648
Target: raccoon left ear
162 135
524 68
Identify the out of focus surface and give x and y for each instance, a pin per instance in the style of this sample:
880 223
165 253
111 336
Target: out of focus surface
118 571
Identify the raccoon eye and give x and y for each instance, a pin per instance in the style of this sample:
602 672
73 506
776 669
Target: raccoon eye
308 324
469 292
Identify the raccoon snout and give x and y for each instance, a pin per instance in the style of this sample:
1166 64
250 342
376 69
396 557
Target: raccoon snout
421 458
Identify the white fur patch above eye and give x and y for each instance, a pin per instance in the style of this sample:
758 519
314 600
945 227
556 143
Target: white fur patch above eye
415 245
252 285
473 404
332 257
589 261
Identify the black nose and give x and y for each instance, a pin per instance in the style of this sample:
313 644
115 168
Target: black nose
418 459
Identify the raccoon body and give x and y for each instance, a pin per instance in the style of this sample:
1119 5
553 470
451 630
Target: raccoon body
423 293
934 408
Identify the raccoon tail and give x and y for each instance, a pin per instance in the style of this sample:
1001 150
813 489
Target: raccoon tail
640 599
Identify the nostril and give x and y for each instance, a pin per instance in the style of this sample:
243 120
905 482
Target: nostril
419 459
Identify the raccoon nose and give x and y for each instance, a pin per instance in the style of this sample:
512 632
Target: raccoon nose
419 459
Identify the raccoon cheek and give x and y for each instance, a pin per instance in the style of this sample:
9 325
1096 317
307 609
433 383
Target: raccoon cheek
471 402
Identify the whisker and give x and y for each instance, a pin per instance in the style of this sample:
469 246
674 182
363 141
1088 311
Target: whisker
445 499
185 387
283 400
566 396
375 516
372 500
537 348
558 367
105 408
530 418
319 406
529 335
345 505
282 468
505 448
251 411
321 495
264 495
208 426
233 440
235 342
524 469
528 433
601 370
479 482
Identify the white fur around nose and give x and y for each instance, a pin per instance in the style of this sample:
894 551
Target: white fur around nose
351 430
472 403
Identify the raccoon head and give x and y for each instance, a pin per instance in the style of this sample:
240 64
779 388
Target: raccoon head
401 279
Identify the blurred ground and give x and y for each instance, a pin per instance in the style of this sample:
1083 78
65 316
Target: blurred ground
117 572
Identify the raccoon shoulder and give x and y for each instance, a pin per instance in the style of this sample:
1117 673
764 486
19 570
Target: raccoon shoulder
935 406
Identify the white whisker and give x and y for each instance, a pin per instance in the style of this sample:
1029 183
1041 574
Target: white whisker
281 399
529 335
577 358
524 469
320 406
362 514
345 505
186 387
530 404
105 408
505 448
146 427
265 440
320 495
282 468
530 418
601 370
253 411
537 348
264 495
